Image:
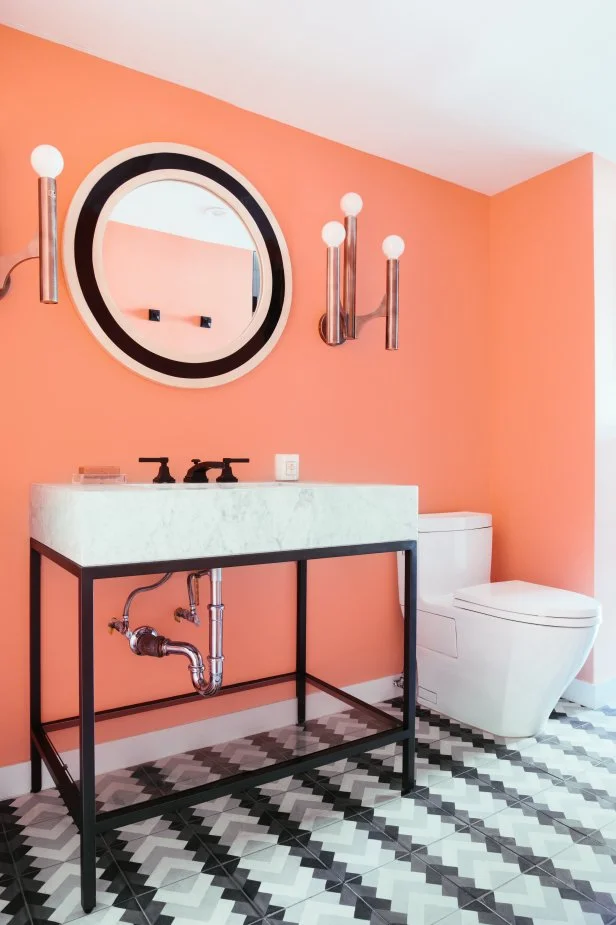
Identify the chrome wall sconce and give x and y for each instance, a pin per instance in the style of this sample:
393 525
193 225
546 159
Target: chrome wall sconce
340 321
47 162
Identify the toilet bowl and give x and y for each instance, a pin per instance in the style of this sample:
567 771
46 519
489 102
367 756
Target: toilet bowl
493 655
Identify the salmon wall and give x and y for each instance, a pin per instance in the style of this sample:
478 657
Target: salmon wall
183 278
353 413
541 375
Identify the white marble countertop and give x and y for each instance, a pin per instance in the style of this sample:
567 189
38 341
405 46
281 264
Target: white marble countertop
143 522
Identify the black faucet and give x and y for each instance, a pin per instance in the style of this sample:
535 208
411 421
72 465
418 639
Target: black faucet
163 472
199 469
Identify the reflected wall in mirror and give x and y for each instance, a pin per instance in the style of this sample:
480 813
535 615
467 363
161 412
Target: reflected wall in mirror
177 248
177 265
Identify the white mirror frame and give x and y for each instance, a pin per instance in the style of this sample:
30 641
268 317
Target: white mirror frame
74 270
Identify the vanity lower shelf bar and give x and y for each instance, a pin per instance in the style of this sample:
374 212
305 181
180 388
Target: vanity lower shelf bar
80 797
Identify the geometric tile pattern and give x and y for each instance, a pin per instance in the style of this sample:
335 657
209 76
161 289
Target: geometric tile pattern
496 832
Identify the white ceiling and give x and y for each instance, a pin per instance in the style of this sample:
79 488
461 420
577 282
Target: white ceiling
485 93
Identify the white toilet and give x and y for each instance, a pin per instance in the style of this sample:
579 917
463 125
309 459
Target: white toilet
498 655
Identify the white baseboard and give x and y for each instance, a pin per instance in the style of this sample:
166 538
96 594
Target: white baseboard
122 753
592 695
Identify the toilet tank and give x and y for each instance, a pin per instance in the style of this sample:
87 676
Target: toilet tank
454 551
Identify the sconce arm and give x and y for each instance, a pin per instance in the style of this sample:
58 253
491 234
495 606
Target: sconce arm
380 312
10 261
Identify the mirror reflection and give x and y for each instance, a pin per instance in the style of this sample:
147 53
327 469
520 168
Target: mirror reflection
182 269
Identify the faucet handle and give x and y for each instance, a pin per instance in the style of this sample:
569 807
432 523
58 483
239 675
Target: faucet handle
164 476
227 473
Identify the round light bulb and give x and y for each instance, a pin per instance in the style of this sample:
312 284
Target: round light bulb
47 161
351 203
393 246
333 234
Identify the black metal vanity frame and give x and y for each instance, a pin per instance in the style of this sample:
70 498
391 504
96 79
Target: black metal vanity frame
80 797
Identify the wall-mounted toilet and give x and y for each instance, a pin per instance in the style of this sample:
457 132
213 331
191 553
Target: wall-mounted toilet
497 655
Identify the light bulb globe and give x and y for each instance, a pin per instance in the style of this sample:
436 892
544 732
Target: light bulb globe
393 246
351 204
47 161
333 234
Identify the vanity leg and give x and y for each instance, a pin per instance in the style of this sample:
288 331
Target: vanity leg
86 743
36 766
409 697
300 651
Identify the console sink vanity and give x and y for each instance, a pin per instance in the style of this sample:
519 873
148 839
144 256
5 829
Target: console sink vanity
97 532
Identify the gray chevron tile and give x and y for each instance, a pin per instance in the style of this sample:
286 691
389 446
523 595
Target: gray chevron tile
469 797
574 806
162 858
352 847
529 833
211 897
544 900
474 861
305 808
54 893
122 788
339 904
238 831
13 908
180 772
413 821
126 833
280 876
409 891
590 869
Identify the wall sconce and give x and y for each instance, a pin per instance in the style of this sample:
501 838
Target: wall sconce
47 162
340 321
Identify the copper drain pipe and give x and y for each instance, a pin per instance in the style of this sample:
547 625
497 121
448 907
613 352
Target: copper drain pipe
147 641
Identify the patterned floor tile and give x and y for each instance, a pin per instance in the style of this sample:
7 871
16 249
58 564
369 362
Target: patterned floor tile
363 789
576 807
473 861
475 914
180 772
543 900
126 833
590 869
128 911
583 740
305 808
600 778
162 859
54 893
413 821
496 831
530 834
408 891
515 778
280 876
246 828
468 797
352 847
550 756
122 788
211 898
336 905
13 910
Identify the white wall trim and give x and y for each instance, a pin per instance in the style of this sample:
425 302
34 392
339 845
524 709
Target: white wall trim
592 695
149 746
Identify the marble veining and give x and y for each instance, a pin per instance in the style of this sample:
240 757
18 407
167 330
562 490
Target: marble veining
120 524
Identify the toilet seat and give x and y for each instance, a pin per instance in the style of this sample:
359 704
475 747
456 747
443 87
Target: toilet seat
524 602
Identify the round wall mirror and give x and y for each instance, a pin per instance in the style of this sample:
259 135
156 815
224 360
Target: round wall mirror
177 265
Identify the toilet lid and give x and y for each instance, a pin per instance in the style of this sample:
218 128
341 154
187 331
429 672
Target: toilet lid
523 598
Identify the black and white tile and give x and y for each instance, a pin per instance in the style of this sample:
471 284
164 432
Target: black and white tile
496 832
